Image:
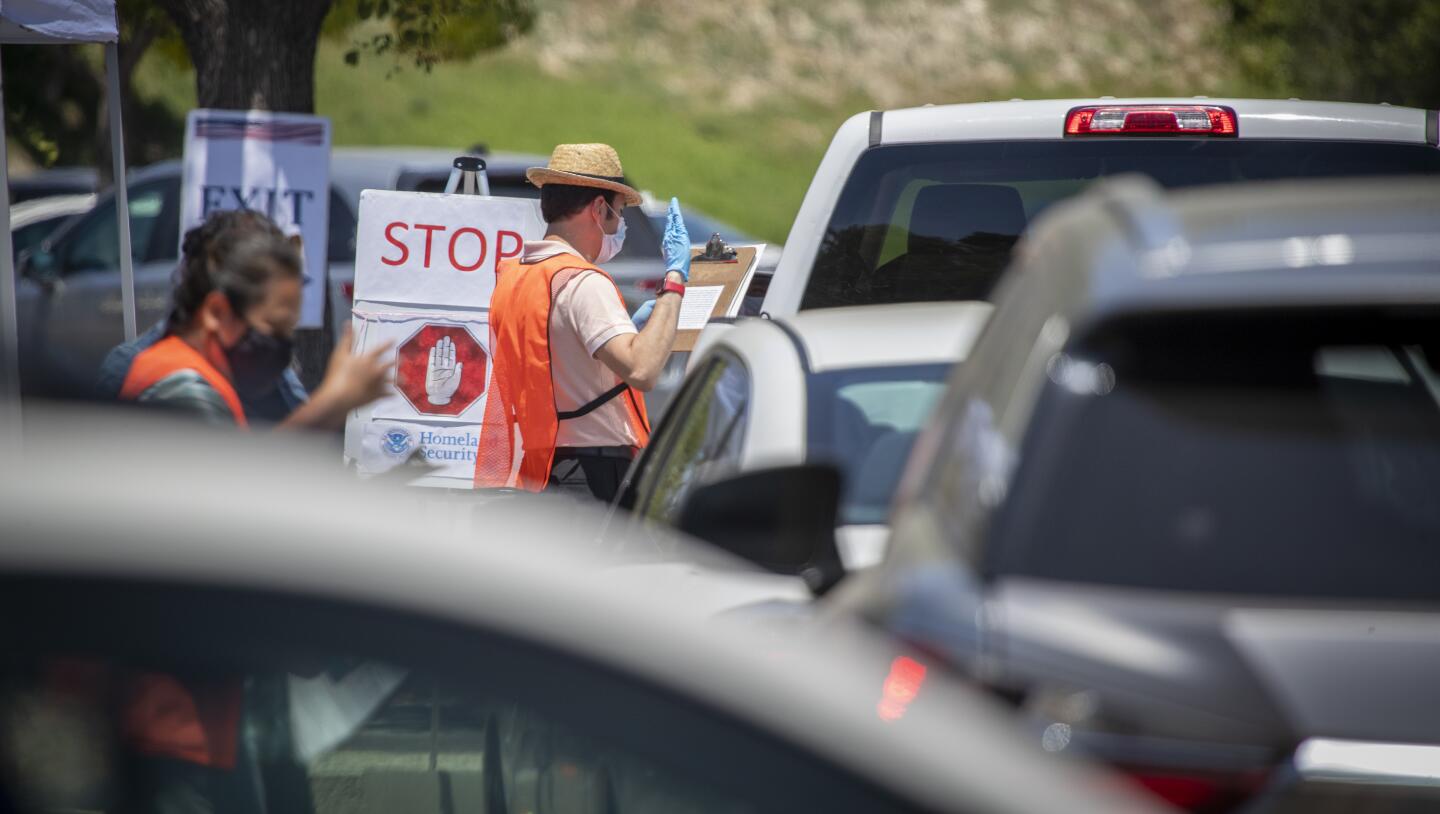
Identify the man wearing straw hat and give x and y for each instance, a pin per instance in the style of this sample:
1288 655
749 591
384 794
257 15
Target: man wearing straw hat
564 408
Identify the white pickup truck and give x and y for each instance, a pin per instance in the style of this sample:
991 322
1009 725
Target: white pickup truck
925 203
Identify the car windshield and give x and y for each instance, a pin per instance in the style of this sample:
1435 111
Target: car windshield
864 422
1294 460
928 222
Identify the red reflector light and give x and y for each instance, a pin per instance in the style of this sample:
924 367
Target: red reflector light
1200 793
348 289
900 688
1152 120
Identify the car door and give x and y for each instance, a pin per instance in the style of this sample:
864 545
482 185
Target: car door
700 440
69 325
346 707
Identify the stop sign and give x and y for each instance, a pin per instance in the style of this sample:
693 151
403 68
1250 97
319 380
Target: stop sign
440 369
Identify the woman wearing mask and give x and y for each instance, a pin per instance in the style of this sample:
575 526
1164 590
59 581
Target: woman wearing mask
214 237
228 339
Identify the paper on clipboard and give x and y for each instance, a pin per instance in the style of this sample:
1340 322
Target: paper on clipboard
698 305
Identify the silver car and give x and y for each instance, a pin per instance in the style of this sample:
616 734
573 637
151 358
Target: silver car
1179 503
847 387
398 652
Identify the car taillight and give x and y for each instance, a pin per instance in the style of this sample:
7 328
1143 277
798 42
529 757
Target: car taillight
901 687
349 290
1151 120
1199 792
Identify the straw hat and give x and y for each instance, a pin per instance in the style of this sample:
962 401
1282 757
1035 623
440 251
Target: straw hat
585 165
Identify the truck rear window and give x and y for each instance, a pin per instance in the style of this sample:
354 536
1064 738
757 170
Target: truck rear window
928 222
1263 456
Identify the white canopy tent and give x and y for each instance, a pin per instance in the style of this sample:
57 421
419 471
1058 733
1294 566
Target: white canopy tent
59 22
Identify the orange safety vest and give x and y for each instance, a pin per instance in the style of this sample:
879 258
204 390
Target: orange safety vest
173 354
522 391
196 720
162 715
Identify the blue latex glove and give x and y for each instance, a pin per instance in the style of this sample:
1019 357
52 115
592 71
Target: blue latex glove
676 242
642 314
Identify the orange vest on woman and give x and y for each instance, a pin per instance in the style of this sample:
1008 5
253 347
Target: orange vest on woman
171 355
162 715
521 398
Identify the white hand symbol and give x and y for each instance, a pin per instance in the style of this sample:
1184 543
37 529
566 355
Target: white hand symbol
442 375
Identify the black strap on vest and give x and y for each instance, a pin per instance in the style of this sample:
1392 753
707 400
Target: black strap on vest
594 404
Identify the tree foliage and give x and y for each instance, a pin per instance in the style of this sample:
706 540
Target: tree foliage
425 33
55 95
1343 50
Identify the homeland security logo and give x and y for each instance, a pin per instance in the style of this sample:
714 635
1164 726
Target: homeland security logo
397 442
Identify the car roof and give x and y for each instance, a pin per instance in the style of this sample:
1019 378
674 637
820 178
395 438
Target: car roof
149 481
1256 118
170 167
57 175
1125 246
65 180
354 169
887 335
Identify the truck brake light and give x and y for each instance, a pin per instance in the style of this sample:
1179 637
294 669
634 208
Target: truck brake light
1151 120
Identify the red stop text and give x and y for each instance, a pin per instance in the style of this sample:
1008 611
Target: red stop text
466 248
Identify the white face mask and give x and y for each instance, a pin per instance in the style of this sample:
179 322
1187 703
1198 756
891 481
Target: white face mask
610 245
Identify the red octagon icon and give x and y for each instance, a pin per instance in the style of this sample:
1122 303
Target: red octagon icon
440 370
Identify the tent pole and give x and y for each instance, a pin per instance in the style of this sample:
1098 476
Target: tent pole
122 194
9 318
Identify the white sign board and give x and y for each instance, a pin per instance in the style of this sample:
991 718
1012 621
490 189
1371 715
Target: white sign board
275 163
425 267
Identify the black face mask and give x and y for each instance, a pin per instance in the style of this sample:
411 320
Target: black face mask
257 361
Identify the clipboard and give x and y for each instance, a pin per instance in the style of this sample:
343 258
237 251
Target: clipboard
716 289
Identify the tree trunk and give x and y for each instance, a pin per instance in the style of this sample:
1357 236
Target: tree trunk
259 55
251 54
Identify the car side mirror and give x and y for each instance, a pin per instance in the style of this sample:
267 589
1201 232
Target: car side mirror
42 266
782 519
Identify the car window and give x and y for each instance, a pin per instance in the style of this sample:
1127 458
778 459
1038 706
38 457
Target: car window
865 422
31 234
164 240
262 703
94 243
341 237
928 222
1131 473
703 439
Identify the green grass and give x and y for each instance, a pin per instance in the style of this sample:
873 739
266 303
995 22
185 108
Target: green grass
752 168
731 167
726 167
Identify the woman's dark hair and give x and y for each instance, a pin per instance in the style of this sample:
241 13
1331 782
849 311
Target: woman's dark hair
212 259
560 201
